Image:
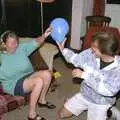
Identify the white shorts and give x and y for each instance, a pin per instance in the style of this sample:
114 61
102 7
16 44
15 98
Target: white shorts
77 104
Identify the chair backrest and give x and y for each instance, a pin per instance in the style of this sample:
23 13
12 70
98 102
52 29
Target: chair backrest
97 21
92 30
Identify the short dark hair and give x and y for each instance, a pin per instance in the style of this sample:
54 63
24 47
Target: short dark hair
107 42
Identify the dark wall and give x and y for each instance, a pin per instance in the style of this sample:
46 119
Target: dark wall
23 16
113 1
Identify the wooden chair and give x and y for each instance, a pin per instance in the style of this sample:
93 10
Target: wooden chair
97 21
93 21
88 37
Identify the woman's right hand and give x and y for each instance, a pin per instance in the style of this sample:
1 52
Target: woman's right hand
61 45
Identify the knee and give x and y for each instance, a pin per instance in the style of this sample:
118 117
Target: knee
38 82
47 75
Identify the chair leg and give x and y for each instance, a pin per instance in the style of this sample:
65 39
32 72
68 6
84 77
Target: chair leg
109 113
113 113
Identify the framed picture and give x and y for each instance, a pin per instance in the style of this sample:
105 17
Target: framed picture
113 1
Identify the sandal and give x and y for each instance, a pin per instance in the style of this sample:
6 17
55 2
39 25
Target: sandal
48 105
53 87
37 117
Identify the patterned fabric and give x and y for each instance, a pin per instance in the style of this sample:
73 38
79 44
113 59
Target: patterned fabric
2 117
99 85
8 102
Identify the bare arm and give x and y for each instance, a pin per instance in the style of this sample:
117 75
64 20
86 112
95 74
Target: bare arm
40 39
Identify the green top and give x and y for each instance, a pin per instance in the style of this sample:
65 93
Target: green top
15 66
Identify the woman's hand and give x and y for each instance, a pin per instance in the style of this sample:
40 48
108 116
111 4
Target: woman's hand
61 45
77 73
47 32
42 38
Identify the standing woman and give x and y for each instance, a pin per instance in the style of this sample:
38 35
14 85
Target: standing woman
17 75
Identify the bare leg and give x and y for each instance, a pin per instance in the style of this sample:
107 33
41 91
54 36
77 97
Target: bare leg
38 83
46 76
35 85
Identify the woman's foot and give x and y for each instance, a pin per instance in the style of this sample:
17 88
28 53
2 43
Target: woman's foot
37 117
47 104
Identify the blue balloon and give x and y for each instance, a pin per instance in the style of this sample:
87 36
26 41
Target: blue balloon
60 28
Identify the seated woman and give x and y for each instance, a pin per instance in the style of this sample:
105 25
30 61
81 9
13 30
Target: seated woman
17 75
